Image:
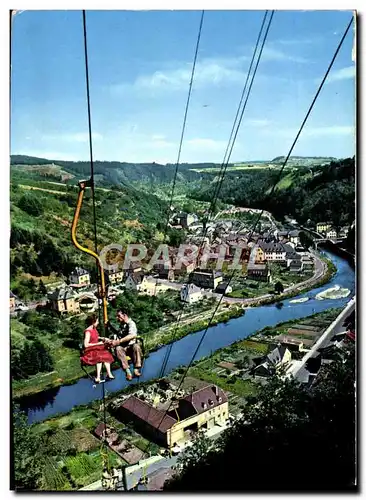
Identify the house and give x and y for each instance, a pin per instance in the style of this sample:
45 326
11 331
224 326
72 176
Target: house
323 227
206 278
296 266
182 269
259 272
12 301
343 232
63 300
224 288
136 281
166 274
331 233
88 302
190 293
133 268
79 277
184 220
294 236
279 357
294 344
115 277
202 409
307 263
152 287
273 251
259 254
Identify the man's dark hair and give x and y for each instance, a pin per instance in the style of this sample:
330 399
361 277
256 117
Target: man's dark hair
122 311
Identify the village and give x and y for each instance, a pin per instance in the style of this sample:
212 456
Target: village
271 260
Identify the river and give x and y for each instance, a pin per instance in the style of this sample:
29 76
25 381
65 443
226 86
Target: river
63 399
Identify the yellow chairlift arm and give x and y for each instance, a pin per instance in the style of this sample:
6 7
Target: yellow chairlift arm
82 186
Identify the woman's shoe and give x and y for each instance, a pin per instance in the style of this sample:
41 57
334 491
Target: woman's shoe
137 372
128 375
110 377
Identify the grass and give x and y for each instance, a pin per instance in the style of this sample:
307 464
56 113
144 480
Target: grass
240 387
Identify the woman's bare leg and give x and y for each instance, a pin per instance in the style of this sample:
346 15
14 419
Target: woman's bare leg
99 370
108 369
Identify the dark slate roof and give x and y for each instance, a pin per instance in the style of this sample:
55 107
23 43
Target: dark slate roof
12 295
295 263
206 398
256 267
222 287
79 271
137 277
62 294
156 418
272 246
295 232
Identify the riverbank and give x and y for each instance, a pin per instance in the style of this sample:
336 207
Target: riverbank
256 344
67 368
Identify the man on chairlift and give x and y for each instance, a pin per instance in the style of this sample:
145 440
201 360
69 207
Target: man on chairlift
126 344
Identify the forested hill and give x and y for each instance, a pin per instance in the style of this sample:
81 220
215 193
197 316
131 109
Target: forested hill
114 172
316 193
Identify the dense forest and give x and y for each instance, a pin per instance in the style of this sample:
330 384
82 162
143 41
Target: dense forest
290 438
314 194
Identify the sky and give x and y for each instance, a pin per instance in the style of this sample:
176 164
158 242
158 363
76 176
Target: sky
140 65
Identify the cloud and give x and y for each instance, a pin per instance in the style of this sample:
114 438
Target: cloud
80 137
342 74
209 71
256 122
274 54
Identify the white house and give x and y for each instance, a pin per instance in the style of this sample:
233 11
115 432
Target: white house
331 234
135 282
190 293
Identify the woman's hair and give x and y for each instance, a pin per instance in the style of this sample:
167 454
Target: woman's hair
90 320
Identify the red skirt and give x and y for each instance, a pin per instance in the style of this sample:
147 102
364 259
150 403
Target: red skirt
96 354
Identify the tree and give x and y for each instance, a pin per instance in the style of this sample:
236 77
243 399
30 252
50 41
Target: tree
42 290
31 205
26 461
284 428
305 239
279 287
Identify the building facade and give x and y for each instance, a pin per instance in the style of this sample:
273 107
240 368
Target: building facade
190 293
63 300
80 277
203 409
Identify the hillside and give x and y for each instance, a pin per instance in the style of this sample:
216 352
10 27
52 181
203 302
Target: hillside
323 192
41 217
305 160
110 172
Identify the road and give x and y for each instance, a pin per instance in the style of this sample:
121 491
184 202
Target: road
298 370
319 271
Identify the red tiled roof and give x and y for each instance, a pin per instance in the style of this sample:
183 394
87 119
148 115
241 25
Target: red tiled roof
200 399
146 412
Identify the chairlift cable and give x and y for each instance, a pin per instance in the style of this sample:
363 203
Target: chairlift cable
182 133
228 158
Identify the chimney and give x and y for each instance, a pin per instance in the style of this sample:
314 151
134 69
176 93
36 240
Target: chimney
216 389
